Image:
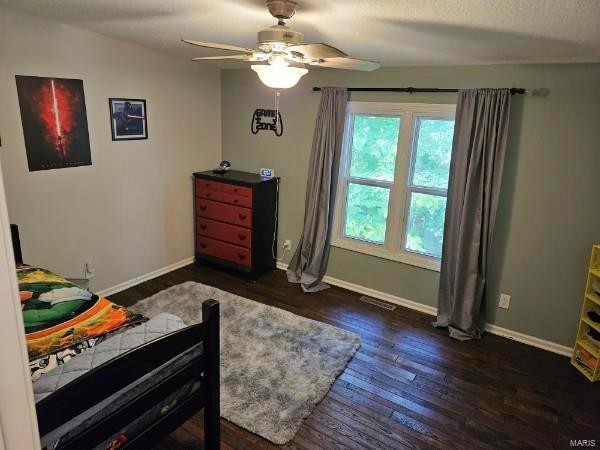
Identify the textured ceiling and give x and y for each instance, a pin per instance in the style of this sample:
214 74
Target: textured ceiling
394 32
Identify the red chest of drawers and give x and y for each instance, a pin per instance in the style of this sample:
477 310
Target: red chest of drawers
235 221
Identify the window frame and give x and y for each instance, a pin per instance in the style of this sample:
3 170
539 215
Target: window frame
400 187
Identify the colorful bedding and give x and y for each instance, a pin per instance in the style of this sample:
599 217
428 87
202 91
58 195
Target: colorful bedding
59 315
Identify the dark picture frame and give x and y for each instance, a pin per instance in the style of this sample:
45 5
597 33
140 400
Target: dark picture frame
54 119
128 119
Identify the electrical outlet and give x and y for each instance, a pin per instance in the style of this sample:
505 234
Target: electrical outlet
504 301
89 269
287 245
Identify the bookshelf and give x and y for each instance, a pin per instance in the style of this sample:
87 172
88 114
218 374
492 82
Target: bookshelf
586 355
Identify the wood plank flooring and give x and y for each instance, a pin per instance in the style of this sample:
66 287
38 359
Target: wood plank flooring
410 385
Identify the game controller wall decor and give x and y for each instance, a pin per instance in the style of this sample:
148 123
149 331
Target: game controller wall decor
267 119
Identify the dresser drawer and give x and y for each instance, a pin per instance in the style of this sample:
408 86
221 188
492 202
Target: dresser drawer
203 185
236 189
222 250
235 215
224 232
224 197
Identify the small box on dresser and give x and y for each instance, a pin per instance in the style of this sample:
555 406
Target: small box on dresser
235 221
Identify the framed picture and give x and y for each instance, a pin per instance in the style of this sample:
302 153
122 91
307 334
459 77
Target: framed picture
54 121
128 119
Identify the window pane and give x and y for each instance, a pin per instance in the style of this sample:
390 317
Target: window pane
425 227
374 145
366 212
433 152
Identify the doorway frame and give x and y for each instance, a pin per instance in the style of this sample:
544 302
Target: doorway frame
18 420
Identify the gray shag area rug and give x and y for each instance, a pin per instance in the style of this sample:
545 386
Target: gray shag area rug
275 366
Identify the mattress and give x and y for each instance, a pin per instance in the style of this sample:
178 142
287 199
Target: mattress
103 352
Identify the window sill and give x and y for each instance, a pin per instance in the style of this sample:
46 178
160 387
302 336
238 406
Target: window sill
413 259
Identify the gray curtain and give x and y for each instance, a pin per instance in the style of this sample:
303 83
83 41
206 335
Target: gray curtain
478 149
309 262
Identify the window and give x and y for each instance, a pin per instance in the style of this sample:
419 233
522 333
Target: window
393 181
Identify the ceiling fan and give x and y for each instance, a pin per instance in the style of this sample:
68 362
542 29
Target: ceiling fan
285 52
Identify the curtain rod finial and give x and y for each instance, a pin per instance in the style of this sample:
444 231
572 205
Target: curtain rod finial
540 92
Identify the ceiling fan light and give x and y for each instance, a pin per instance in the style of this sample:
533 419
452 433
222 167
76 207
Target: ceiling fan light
279 76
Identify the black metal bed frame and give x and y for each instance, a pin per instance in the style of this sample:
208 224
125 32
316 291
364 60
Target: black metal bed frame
16 242
108 378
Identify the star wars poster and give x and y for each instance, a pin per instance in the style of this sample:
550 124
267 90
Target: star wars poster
54 122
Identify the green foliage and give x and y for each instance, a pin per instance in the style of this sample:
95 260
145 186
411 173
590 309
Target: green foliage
434 149
366 213
426 224
425 227
374 146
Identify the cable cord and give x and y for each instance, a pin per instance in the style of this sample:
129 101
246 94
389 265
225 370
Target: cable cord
274 245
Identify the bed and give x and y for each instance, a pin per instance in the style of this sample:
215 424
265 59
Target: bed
105 378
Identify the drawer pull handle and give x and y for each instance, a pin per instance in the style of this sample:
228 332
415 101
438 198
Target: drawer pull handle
202 207
203 226
242 237
235 190
242 216
207 194
203 245
207 184
242 256
235 201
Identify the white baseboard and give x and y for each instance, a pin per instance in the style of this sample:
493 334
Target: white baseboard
530 340
148 276
431 310
374 293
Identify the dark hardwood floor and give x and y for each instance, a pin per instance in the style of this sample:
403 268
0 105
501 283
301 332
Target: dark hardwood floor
410 385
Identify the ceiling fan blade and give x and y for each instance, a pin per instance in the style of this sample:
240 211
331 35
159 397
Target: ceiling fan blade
349 64
232 48
317 51
242 57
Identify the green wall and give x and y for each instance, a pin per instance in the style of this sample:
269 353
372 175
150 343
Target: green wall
549 212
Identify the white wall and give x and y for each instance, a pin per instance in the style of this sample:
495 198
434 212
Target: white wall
18 422
131 210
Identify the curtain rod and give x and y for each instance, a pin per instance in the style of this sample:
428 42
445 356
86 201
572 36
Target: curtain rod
412 90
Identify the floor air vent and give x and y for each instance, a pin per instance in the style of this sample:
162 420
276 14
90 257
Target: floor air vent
380 303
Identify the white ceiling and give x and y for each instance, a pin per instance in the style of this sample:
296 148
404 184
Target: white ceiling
394 32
